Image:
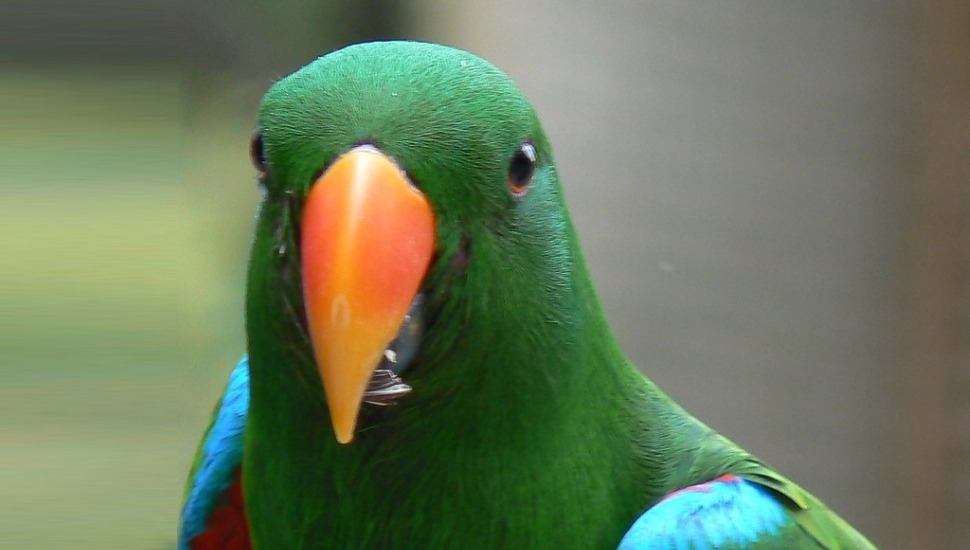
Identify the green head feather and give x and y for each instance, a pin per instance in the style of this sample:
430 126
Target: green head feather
516 365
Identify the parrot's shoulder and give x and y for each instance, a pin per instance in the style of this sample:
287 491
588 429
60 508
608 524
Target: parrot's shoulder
721 497
753 509
726 512
213 514
811 515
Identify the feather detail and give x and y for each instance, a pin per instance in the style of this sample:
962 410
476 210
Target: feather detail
226 528
726 512
214 510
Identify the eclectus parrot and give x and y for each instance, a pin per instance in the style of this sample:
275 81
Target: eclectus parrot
428 363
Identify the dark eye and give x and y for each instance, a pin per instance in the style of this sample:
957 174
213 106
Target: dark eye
522 170
257 154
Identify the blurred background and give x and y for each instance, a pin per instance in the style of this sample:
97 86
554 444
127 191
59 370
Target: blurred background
774 198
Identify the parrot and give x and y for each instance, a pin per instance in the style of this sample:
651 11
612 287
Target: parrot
428 364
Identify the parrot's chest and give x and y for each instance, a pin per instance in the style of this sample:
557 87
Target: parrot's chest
398 504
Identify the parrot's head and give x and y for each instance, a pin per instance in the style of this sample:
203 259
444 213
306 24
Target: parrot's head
412 232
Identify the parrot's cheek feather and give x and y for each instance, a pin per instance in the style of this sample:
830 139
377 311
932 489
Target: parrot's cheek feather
459 262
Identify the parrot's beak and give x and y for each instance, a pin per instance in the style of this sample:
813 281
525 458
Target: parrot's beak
367 238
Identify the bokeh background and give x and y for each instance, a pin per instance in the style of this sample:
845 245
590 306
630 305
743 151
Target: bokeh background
774 198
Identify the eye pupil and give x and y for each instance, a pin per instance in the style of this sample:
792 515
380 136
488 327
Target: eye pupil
257 154
522 169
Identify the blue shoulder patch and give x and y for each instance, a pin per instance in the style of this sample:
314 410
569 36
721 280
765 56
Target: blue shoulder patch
222 452
726 512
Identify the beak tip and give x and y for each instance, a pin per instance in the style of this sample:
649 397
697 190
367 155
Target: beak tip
342 431
344 438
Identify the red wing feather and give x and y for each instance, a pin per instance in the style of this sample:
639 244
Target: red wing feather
226 528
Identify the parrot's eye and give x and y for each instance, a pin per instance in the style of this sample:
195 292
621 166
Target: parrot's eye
257 155
522 170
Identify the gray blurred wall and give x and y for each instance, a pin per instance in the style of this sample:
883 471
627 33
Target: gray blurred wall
735 170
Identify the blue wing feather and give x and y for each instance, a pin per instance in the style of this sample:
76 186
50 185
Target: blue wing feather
222 452
727 512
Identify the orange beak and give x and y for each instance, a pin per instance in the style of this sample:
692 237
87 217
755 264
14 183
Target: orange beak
367 239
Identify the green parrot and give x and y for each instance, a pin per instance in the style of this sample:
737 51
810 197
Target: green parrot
428 363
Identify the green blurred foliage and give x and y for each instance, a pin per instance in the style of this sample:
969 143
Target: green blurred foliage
125 228
126 219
